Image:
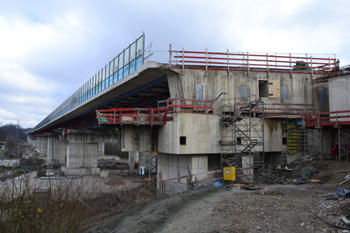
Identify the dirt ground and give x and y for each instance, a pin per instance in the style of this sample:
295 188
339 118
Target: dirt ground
279 207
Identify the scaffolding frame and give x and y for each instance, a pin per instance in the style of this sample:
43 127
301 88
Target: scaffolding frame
242 131
324 121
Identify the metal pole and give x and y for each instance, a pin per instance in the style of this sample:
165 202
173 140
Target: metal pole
290 64
149 168
206 62
228 63
321 136
267 64
183 65
248 62
339 144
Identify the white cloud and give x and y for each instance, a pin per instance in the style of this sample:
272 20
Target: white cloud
6 114
14 76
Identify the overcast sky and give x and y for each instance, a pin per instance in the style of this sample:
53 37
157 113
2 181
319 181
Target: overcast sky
48 49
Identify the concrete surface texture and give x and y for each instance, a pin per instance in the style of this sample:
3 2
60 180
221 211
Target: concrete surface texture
190 134
339 95
299 87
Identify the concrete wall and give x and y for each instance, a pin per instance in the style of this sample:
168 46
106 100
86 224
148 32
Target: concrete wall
200 134
174 166
339 95
137 138
273 135
300 88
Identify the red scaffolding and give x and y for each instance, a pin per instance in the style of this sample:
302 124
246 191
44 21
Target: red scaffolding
153 116
327 118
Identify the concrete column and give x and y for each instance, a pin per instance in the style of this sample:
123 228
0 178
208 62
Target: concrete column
142 159
50 150
101 148
30 139
43 146
83 149
81 153
38 143
131 161
56 149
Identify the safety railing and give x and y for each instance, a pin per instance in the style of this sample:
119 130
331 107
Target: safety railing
251 62
327 118
138 116
272 110
153 116
187 105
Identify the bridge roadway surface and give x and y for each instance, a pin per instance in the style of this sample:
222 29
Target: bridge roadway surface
141 89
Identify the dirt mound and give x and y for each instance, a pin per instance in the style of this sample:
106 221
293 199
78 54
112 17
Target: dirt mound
167 209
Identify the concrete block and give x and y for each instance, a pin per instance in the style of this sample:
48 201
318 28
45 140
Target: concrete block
104 174
95 171
171 187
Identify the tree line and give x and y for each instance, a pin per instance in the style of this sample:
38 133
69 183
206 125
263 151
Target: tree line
11 133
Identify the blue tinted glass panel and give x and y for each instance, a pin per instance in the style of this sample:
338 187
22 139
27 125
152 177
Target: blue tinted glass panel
138 61
115 77
107 82
110 80
126 70
120 74
132 66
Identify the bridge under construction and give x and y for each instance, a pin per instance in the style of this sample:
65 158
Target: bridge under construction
202 111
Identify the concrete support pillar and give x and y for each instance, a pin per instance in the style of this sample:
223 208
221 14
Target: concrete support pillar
174 165
38 143
131 160
82 153
56 150
83 150
43 146
101 148
30 140
142 159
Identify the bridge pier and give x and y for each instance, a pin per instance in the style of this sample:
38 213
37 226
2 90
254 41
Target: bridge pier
176 165
56 149
101 148
31 139
83 150
42 141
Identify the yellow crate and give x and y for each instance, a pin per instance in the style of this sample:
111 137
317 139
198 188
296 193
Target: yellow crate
229 173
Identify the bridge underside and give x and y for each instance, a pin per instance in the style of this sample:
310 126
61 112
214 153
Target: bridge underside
142 90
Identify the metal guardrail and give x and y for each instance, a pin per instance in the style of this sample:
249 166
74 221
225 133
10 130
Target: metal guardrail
327 118
153 116
251 62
